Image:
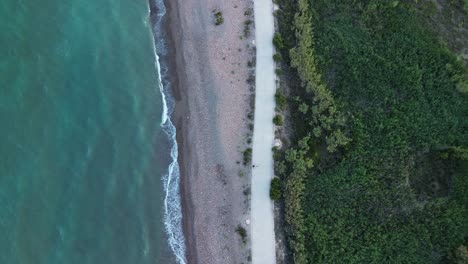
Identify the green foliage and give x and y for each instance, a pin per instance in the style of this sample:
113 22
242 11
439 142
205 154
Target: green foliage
327 120
275 189
242 233
379 96
247 156
303 108
277 57
460 255
280 100
247 24
278 41
218 17
278 120
300 164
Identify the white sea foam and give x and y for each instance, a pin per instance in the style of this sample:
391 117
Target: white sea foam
171 180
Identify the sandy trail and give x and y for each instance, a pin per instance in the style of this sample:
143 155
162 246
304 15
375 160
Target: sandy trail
263 236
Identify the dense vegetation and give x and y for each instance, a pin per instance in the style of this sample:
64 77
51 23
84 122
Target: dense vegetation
378 167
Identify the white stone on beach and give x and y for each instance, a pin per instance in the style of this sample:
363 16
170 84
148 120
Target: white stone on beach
278 143
247 222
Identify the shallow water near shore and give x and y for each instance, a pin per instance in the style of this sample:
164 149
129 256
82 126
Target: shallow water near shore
85 145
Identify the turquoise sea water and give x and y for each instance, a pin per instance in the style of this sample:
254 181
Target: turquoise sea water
82 150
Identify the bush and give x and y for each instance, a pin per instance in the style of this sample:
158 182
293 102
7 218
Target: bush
277 57
247 156
247 24
278 41
242 233
460 255
353 205
278 120
280 100
275 189
218 18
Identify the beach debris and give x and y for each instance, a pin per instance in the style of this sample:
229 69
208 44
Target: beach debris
247 221
278 143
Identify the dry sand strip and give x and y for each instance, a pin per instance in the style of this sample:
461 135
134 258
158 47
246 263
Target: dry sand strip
209 72
263 236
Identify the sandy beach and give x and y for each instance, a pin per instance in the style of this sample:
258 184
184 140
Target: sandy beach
209 72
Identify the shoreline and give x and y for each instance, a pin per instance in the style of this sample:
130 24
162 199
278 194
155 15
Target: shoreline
177 118
211 125
167 59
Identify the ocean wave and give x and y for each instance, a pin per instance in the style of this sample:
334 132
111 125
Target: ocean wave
171 180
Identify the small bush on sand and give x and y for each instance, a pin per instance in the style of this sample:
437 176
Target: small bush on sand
278 120
247 24
275 189
242 233
218 17
247 156
251 79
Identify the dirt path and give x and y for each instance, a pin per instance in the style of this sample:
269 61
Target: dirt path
263 236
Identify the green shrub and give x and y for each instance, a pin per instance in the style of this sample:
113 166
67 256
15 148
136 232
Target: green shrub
303 108
242 233
278 41
277 57
278 120
361 76
218 17
275 189
280 100
247 155
247 27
